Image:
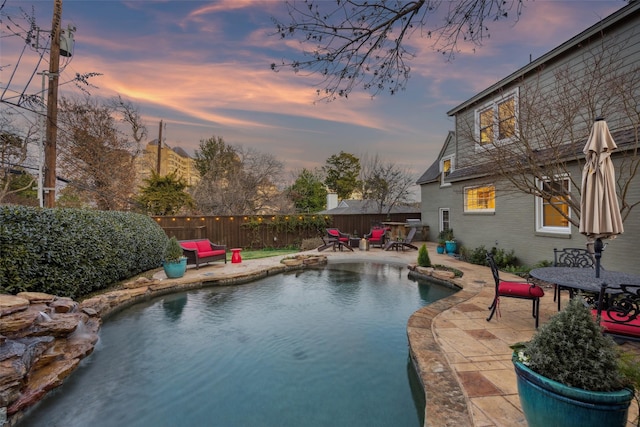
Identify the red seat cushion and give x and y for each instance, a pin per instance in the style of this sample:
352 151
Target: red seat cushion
205 254
516 289
630 328
189 245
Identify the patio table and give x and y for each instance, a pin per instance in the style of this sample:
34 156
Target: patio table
583 279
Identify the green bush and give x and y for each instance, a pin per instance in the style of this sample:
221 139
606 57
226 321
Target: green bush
476 256
423 256
73 252
571 349
506 261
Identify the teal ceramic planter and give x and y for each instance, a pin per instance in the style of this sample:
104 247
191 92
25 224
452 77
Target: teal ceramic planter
452 246
174 270
440 249
549 403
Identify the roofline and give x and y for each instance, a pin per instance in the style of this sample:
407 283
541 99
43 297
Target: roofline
604 23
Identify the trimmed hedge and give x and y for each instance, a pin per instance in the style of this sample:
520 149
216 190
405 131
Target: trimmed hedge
73 252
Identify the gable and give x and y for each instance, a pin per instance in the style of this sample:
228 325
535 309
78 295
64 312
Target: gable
432 174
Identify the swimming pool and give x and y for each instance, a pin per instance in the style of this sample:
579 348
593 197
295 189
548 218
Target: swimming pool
314 347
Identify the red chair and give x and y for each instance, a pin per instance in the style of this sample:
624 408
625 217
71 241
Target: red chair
522 290
618 312
335 234
376 236
336 240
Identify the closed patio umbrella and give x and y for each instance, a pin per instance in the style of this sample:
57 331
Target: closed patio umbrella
600 215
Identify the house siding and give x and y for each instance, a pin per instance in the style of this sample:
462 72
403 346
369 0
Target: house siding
513 224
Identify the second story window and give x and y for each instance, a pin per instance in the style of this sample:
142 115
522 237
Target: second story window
496 121
446 167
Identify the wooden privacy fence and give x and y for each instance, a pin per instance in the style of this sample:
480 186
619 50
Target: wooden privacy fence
276 231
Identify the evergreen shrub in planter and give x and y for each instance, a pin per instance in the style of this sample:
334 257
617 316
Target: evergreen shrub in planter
568 374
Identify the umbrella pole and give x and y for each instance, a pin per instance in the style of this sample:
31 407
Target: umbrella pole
597 249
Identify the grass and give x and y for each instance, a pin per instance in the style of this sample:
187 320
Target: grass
266 253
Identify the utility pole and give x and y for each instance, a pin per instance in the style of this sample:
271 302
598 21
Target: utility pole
159 147
52 109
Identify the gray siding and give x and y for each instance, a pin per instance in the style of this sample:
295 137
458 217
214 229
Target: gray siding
512 225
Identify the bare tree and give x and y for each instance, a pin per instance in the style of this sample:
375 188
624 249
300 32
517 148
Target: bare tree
385 183
246 186
553 124
14 153
94 155
359 42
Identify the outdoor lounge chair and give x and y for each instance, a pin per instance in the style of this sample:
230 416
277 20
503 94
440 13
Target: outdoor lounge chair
336 240
400 244
523 290
570 257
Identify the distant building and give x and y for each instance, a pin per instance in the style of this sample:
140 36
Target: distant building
171 159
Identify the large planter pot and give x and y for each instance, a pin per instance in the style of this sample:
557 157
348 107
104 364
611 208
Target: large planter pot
549 403
174 270
452 246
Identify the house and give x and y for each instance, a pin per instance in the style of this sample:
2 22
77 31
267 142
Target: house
509 174
359 207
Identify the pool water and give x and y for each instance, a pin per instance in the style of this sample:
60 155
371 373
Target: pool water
316 347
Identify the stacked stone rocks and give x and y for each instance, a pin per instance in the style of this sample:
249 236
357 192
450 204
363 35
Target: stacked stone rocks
42 340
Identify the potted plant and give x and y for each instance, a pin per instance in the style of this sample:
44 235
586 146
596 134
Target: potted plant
569 374
450 242
441 246
175 263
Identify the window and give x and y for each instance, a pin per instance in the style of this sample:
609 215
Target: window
480 199
552 212
445 224
446 167
496 121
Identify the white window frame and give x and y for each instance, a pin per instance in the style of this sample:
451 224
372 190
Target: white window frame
493 106
451 158
441 212
487 210
539 207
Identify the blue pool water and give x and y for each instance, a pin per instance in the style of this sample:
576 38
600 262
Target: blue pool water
319 347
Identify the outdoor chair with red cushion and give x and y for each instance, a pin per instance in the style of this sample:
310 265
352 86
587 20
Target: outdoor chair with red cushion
335 234
522 290
618 312
202 251
376 236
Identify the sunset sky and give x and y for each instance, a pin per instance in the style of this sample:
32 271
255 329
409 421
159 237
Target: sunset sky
203 68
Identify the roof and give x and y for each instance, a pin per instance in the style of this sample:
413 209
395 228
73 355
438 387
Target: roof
178 150
432 174
625 140
359 207
595 30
